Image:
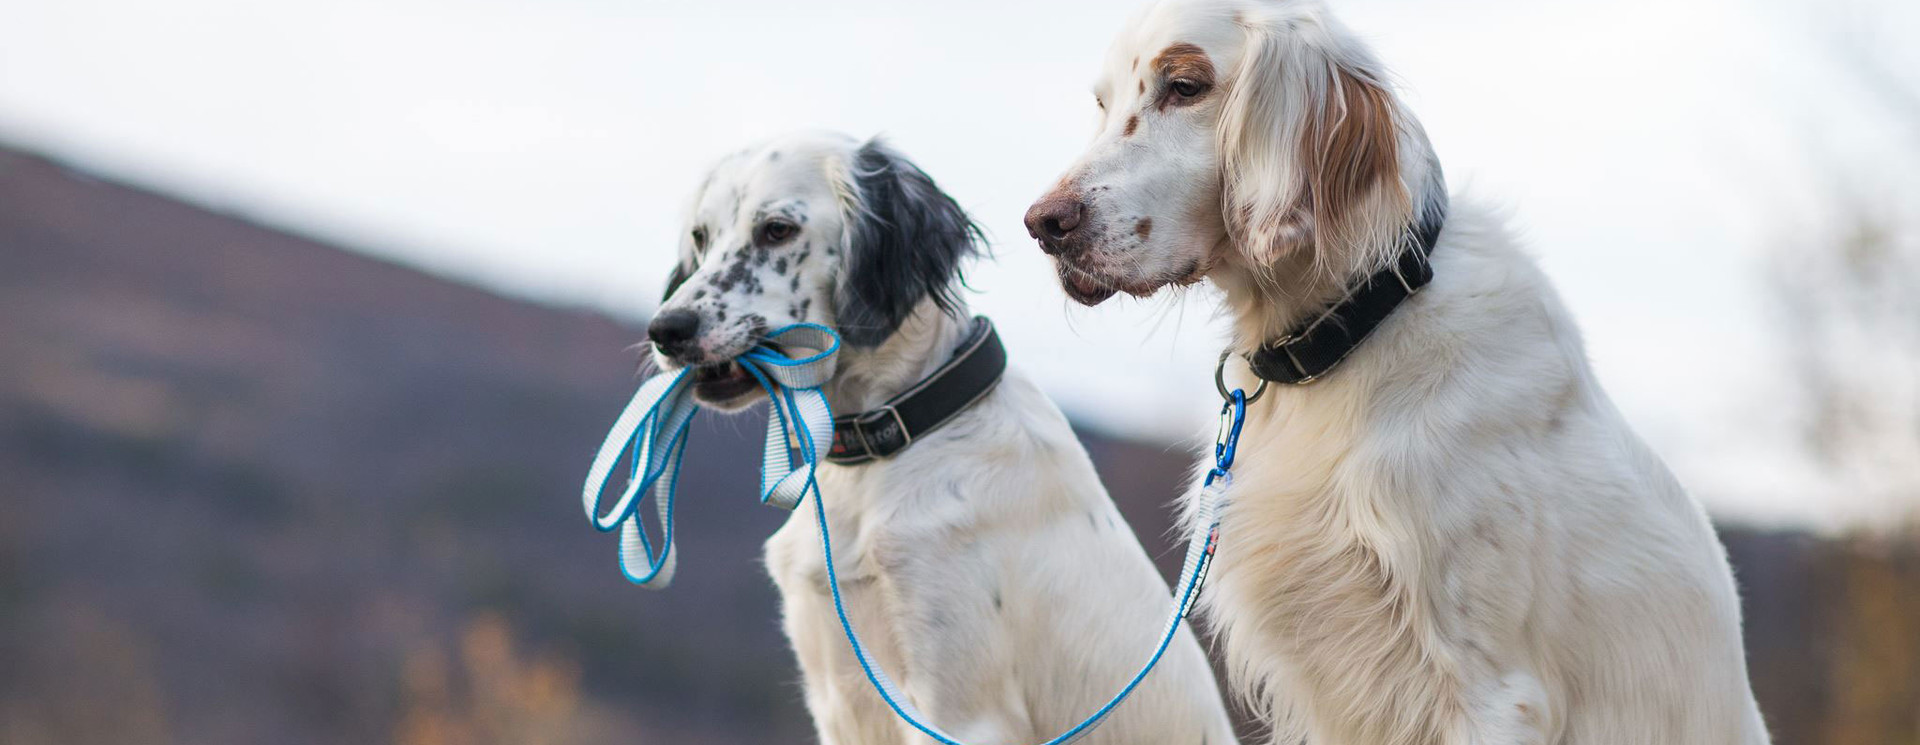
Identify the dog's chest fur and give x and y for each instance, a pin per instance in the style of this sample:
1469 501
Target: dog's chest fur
1455 539
988 572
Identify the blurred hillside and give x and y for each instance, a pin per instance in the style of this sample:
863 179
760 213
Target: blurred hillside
260 489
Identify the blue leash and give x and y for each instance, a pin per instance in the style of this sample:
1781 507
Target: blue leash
654 426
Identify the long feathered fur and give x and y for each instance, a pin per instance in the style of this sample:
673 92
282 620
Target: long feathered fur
1453 538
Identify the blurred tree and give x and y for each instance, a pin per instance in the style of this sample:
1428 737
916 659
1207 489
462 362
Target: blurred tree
1849 289
1849 285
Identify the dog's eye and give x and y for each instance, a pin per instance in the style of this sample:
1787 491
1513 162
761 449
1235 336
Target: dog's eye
700 238
774 232
1186 88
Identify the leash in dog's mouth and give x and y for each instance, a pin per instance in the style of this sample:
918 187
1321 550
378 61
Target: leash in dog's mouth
722 381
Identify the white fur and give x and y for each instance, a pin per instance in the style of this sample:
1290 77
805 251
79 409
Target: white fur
1453 538
984 566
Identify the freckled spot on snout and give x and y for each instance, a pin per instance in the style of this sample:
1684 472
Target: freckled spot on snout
1133 123
1143 227
1143 86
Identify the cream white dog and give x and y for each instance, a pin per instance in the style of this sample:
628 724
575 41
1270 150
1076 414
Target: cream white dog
984 565
1452 536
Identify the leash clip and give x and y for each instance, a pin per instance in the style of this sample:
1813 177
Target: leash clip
1226 442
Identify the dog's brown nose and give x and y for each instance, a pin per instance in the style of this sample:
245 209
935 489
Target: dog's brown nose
1052 220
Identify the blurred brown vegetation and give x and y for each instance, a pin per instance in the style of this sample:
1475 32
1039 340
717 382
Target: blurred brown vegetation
486 693
1833 638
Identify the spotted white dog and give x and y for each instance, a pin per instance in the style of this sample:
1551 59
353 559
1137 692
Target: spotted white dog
984 565
1452 537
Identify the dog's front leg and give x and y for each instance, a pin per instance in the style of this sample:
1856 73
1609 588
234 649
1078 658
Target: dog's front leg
961 653
989 714
1513 711
976 704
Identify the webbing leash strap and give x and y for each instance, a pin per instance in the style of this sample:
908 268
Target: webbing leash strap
799 433
1193 573
654 427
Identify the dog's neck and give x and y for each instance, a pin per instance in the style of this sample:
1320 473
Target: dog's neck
867 377
1269 300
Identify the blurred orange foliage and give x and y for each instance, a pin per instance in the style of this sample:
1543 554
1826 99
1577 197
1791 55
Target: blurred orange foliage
489 692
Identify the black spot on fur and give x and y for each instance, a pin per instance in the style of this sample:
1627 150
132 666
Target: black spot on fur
734 275
796 283
780 265
908 242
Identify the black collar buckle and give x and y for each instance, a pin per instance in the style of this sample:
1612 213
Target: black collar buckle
883 425
974 369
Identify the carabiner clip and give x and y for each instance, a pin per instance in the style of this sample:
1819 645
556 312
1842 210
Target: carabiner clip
1233 415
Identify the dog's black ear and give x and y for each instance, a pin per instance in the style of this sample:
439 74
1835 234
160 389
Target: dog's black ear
674 280
908 240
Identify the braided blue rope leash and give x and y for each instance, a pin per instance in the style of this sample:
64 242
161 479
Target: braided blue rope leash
654 427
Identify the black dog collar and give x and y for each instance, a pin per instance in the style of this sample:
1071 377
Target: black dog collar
882 432
1304 355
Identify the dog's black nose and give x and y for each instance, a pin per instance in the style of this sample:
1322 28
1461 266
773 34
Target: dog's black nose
673 331
1052 219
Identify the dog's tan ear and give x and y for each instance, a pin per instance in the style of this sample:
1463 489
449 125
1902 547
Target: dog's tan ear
1352 163
1309 152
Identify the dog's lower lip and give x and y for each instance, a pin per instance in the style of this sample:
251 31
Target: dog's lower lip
1083 287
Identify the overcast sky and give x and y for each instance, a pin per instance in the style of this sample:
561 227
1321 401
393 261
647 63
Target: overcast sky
1651 152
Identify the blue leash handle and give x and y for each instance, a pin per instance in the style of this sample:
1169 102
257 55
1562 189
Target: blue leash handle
653 428
653 431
